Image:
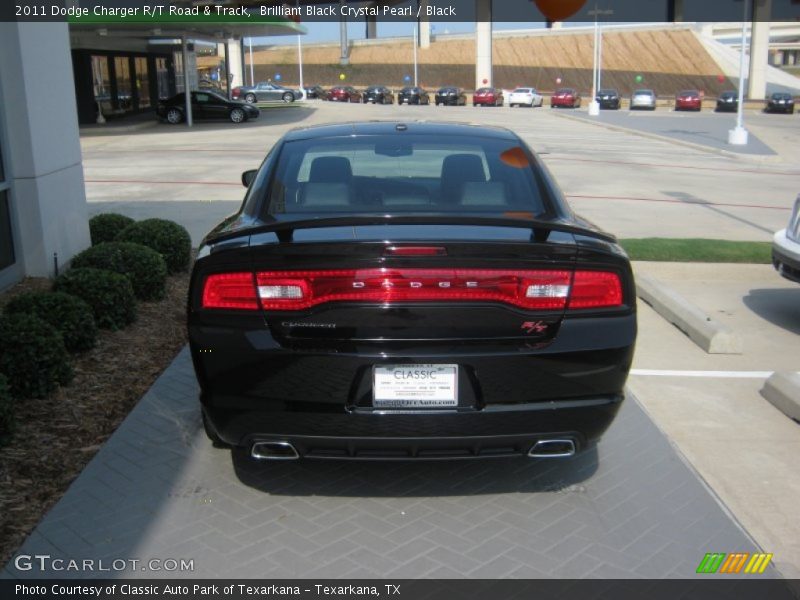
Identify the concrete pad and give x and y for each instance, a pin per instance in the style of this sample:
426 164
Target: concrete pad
783 391
710 335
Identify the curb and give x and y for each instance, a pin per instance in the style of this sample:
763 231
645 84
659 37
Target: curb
782 390
761 158
711 336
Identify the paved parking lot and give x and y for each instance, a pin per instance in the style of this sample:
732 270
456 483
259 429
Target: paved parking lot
633 508
157 489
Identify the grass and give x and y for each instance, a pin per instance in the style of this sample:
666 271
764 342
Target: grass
698 250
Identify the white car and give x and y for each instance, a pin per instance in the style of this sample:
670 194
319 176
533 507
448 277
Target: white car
786 247
525 97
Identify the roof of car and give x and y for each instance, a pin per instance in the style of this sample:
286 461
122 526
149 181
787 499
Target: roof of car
391 127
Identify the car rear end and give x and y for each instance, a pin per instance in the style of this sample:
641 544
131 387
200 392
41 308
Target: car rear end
563 99
407 96
521 97
409 291
643 99
608 99
339 94
728 102
786 247
447 96
484 97
689 100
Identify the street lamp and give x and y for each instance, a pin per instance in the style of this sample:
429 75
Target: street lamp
594 105
738 135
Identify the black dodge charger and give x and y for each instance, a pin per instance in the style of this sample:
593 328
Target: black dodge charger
408 291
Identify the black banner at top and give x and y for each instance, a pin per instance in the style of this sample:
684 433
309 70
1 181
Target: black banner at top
247 12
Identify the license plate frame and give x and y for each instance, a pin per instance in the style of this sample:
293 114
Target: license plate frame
414 390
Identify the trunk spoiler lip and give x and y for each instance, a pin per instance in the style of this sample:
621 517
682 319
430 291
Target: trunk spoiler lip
540 228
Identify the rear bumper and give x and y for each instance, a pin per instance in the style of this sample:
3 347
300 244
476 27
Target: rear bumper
501 430
786 256
447 100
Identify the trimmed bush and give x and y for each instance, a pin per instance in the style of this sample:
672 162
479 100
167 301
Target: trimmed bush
165 237
109 294
142 265
107 226
32 356
70 315
7 422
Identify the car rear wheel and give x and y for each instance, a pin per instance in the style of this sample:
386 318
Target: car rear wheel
250 98
288 97
237 115
174 116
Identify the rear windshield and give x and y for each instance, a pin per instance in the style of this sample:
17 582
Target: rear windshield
418 173
643 93
565 91
523 90
608 92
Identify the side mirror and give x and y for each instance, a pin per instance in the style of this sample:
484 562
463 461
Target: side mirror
248 176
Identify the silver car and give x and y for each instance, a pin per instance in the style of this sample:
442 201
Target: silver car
525 97
643 99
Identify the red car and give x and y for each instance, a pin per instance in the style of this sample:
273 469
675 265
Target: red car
689 100
344 93
487 96
565 97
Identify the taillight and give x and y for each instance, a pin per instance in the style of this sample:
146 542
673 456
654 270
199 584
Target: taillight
300 290
595 289
230 290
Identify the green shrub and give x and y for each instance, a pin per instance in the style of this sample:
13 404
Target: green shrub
142 265
68 314
32 356
165 237
107 226
7 422
109 294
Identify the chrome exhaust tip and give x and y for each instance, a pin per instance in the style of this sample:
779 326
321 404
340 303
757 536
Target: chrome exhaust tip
557 448
273 451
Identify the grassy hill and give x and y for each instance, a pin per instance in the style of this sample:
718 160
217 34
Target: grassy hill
669 60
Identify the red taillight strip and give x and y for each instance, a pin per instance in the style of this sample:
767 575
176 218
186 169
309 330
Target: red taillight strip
230 290
299 290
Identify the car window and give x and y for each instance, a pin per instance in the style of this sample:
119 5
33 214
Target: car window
523 91
202 98
420 173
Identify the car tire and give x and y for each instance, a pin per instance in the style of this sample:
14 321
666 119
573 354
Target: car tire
237 116
250 98
216 441
288 97
174 116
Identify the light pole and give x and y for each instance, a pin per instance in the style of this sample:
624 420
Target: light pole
738 135
594 105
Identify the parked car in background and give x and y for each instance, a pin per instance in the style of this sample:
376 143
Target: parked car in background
344 93
487 96
608 99
450 96
780 102
689 100
565 98
265 91
643 99
728 101
786 247
525 96
378 94
315 92
468 313
206 106
413 95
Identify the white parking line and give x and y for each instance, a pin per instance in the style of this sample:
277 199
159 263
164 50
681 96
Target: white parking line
720 374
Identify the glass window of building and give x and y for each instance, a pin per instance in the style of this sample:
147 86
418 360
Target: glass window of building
162 78
124 84
6 241
142 82
101 84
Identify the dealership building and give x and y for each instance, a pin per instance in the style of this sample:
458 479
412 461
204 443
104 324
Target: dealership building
55 77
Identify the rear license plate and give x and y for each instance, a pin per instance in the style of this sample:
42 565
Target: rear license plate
415 386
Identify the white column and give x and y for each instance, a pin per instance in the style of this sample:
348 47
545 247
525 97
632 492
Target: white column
483 43
43 153
424 26
236 61
759 51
